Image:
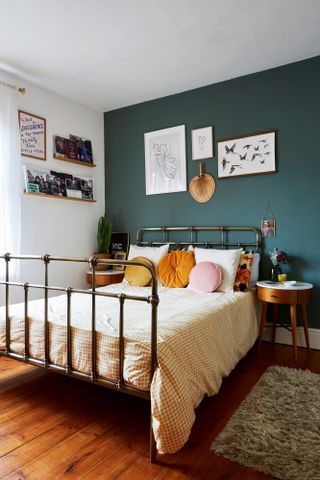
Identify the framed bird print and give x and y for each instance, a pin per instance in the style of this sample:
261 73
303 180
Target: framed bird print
165 160
247 155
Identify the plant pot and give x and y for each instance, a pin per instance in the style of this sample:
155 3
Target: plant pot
102 256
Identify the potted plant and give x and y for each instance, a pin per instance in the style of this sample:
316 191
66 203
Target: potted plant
103 241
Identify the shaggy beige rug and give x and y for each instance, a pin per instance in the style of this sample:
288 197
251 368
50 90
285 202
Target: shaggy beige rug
276 429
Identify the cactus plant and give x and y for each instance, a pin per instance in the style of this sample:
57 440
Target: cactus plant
104 235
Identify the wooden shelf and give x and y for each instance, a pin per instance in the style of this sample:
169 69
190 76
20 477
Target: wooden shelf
49 195
78 162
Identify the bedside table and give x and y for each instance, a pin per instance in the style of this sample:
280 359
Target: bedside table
107 277
275 293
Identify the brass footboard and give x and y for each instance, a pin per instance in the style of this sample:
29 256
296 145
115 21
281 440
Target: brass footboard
119 384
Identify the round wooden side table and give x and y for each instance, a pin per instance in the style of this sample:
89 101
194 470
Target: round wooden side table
106 277
278 293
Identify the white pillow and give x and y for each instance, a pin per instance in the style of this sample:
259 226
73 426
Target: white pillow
254 276
153 253
227 260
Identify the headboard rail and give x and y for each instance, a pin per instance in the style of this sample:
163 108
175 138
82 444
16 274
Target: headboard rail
251 237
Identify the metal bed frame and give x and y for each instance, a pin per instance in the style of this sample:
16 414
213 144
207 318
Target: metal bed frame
153 300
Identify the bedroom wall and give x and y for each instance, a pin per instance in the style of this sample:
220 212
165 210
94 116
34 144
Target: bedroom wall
54 226
286 99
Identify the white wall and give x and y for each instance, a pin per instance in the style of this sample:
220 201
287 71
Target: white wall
57 226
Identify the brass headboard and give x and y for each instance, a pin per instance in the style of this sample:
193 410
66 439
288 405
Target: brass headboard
217 237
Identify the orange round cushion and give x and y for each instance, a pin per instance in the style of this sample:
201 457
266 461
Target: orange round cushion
138 276
175 267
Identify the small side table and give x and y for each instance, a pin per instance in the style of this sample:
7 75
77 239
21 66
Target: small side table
106 277
275 293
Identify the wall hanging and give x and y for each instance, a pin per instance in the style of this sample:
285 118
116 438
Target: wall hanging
202 143
268 225
202 186
247 155
73 149
165 160
57 184
32 135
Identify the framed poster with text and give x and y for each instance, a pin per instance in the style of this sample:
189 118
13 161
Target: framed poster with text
32 135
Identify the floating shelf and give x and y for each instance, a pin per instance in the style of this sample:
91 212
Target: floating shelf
49 195
78 162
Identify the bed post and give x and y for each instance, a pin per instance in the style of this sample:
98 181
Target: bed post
154 300
7 259
46 260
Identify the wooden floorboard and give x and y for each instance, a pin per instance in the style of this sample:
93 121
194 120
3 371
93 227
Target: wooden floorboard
54 427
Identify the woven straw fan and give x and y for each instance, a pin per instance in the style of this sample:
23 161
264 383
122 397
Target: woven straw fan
202 186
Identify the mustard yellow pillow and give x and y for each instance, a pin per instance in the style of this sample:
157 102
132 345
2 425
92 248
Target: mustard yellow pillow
138 276
175 267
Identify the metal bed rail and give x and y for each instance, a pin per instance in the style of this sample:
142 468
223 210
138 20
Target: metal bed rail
93 377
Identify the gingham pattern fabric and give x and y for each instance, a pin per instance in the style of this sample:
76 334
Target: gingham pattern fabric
201 337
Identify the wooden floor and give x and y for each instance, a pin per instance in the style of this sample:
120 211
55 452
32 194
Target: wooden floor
54 427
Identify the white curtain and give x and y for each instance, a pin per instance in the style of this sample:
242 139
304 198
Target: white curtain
10 177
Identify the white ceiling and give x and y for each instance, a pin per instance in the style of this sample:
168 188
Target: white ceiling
110 53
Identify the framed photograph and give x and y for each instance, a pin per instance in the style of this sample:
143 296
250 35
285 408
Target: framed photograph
268 228
32 135
119 256
120 242
57 183
202 146
81 148
165 160
247 155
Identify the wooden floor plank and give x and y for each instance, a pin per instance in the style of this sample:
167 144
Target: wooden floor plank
53 427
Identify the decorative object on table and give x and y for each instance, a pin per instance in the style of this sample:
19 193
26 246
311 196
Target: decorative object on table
119 256
277 257
202 186
268 226
282 277
52 183
103 242
202 143
32 135
272 428
247 155
165 160
120 242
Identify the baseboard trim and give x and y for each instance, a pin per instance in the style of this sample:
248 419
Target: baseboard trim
284 336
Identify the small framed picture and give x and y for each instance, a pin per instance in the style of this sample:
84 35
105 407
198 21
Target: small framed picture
202 143
119 256
268 228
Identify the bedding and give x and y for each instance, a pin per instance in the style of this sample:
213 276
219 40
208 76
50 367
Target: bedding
227 260
201 337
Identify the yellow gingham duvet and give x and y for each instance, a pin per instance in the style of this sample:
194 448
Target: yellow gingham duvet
201 337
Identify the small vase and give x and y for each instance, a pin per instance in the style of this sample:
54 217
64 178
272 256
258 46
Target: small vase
275 270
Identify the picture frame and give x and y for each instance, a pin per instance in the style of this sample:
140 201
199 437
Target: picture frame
50 182
202 143
165 160
247 155
119 256
120 242
268 228
33 141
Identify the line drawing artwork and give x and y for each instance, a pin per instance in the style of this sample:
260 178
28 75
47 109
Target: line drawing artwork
165 160
202 142
255 154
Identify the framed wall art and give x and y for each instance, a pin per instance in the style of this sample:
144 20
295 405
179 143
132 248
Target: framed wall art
247 155
32 135
202 143
165 160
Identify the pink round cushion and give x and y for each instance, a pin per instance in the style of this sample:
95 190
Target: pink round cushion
205 277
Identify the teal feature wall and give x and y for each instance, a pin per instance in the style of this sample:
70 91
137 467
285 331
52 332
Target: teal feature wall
285 99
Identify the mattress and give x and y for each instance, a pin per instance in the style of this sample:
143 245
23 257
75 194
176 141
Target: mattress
201 337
